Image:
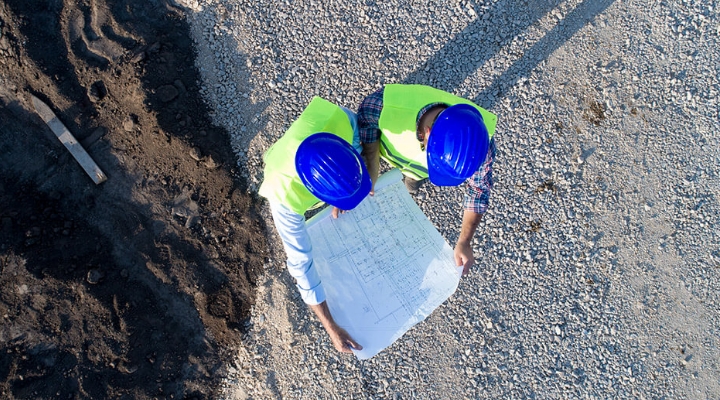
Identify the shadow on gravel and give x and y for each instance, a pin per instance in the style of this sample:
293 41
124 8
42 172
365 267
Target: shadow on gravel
136 287
540 51
492 30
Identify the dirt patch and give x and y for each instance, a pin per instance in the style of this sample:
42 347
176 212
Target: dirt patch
596 113
135 287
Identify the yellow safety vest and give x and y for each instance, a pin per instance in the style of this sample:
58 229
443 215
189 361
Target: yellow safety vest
401 104
282 183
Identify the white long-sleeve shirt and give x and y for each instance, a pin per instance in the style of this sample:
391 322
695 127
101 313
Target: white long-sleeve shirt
296 241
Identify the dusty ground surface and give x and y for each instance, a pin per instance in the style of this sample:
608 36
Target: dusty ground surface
133 287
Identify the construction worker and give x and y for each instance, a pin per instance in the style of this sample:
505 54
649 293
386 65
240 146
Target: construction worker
429 133
314 161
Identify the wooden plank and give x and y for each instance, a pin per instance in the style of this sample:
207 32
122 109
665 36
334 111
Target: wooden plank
67 139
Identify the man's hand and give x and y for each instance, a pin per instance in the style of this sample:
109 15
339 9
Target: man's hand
339 337
464 256
342 341
336 211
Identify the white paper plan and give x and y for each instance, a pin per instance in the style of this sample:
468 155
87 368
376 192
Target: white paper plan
383 265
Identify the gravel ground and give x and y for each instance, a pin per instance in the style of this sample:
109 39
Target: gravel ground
598 264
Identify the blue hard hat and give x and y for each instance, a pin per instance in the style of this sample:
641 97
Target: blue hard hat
332 170
457 145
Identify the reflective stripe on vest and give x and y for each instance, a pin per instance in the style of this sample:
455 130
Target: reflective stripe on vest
282 183
401 105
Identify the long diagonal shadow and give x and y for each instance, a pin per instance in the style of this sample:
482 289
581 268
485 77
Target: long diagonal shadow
561 33
489 34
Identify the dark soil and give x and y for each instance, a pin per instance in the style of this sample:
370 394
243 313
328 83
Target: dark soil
138 287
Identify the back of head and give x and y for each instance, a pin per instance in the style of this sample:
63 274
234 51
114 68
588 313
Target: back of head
457 145
332 170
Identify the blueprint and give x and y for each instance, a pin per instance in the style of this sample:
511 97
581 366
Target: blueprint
383 265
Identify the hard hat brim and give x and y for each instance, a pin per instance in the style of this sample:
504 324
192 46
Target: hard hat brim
353 201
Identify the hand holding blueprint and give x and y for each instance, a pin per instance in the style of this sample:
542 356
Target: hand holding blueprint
383 265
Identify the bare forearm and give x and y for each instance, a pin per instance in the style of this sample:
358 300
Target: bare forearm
470 222
323 314
371 155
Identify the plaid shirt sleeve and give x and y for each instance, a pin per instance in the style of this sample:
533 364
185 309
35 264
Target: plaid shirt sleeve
369 117
477 195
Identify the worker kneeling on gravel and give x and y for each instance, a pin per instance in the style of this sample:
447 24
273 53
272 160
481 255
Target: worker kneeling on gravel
426 132
314 161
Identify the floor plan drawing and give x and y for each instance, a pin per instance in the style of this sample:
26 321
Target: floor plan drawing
384 266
